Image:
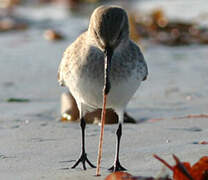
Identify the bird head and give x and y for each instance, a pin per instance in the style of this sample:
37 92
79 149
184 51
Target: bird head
109 26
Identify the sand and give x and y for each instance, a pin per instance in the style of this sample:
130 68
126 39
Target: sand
36 145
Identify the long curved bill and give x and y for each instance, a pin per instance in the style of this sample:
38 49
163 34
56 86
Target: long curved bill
106 90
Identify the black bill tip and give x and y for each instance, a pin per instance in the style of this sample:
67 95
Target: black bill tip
107 68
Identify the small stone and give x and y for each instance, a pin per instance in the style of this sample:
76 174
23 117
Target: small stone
188 98
27 121
168 141
52 35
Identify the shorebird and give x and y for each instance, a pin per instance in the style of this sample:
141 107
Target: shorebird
106 44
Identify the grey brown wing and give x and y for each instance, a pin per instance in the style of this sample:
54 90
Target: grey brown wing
145 70
61 82
71 52
142 63
62 67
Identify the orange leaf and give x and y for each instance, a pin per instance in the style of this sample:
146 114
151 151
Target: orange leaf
200 169
178 174
119 175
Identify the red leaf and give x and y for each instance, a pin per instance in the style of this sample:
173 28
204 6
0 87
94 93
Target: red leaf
119 175
200 169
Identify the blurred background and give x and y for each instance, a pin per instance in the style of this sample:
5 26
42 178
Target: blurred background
173 36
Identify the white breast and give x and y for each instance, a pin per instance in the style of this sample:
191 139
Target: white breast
90 91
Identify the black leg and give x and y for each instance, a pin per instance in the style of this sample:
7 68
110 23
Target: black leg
117 166
83 157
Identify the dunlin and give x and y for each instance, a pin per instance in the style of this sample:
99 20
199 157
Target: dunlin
82 69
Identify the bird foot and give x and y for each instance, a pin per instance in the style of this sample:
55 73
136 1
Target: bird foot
83 158
117 167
